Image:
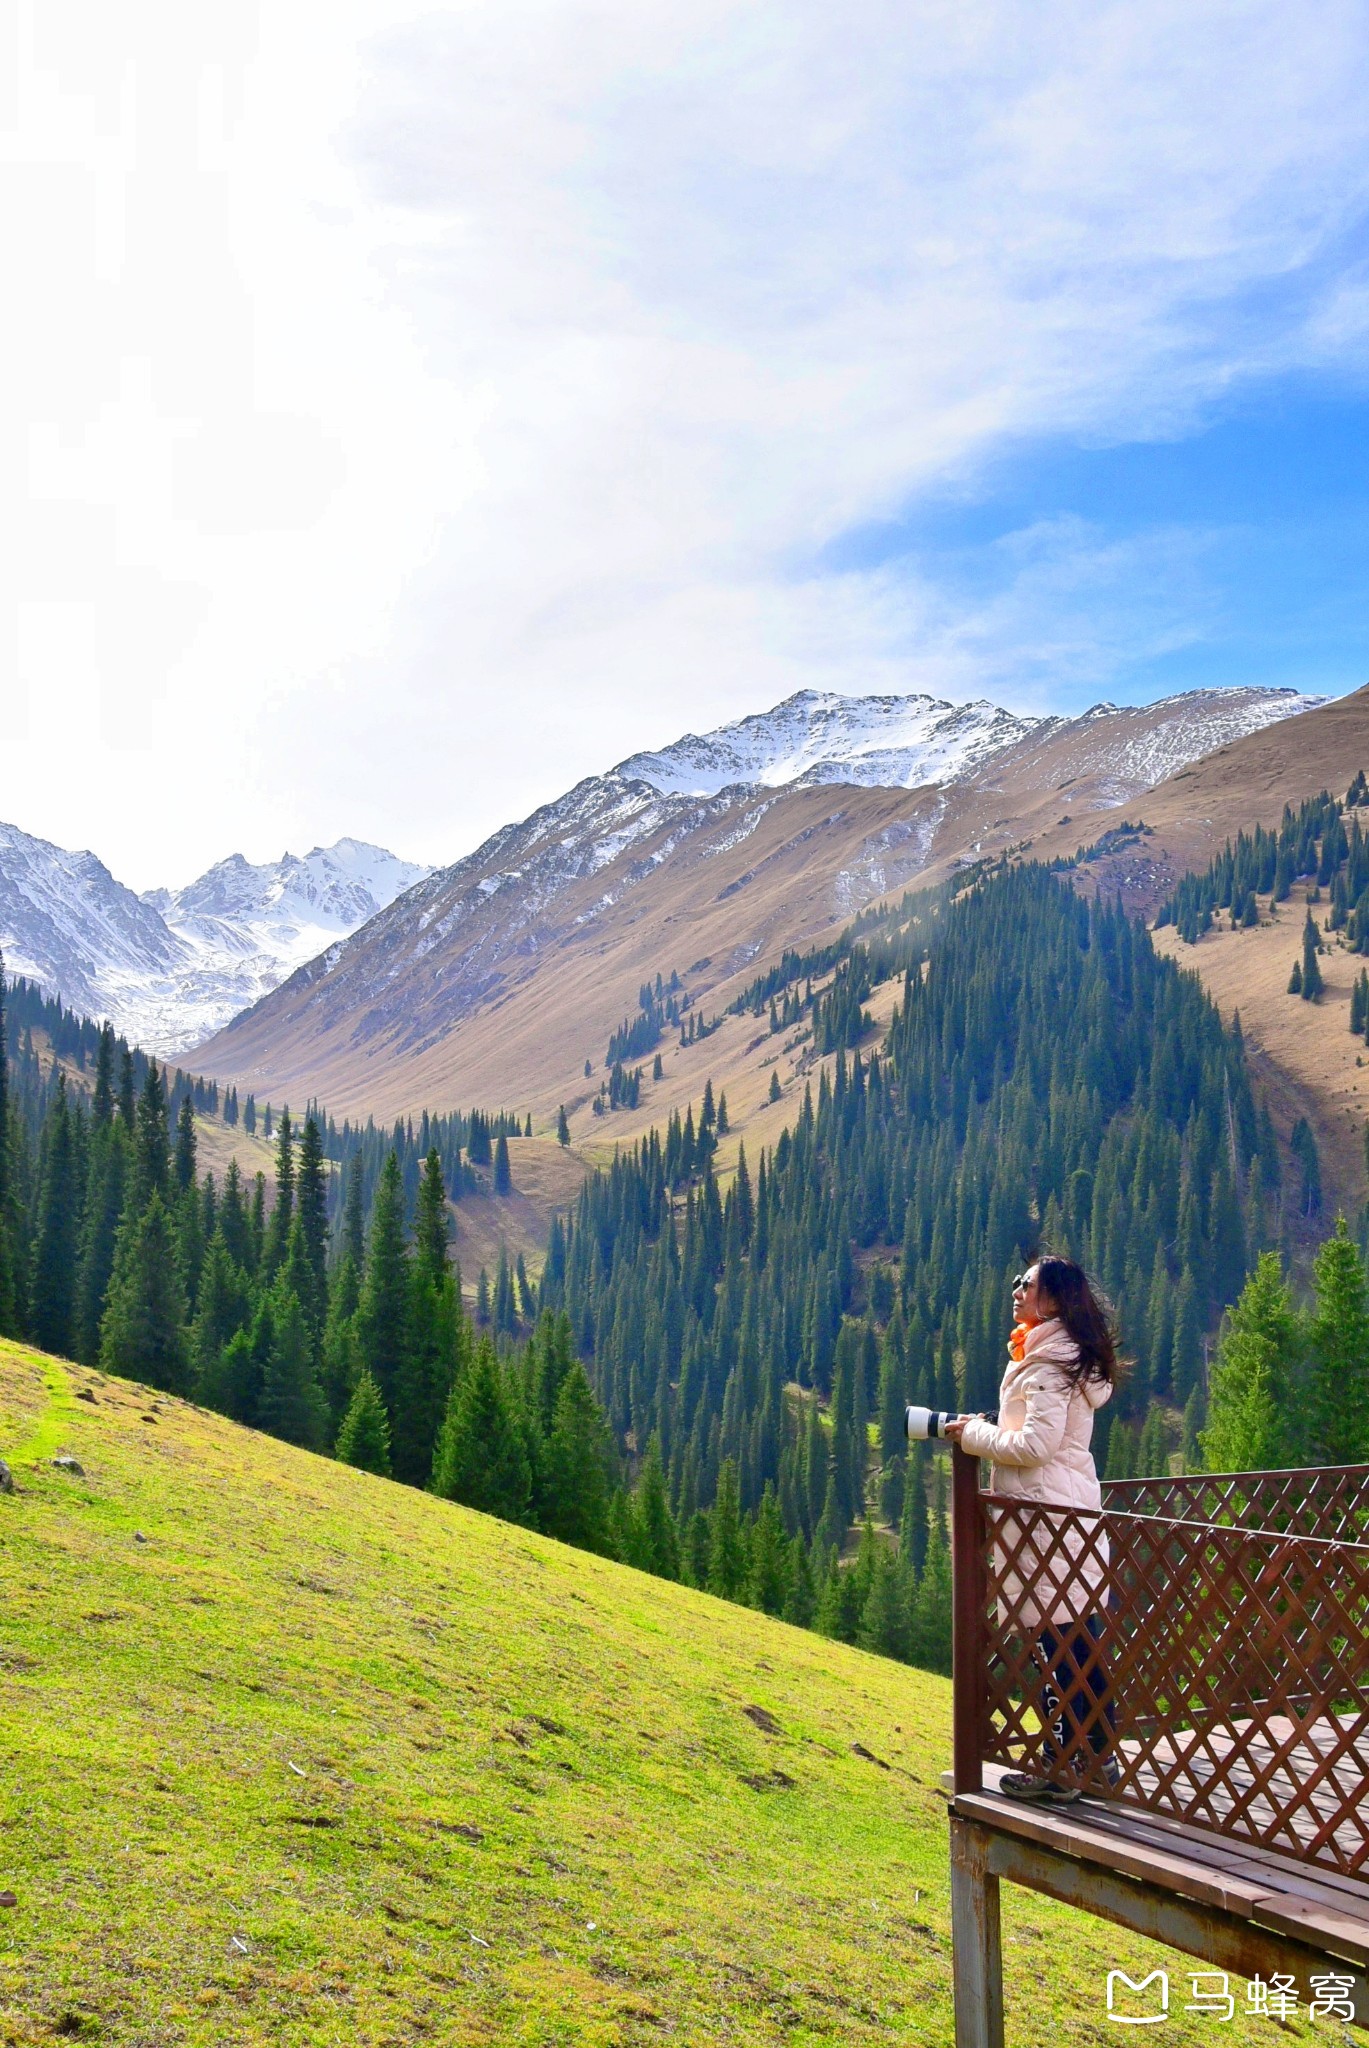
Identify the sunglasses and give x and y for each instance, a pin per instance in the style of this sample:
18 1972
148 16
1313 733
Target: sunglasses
1019 1285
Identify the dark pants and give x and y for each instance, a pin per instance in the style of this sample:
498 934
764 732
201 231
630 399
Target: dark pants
1075 1679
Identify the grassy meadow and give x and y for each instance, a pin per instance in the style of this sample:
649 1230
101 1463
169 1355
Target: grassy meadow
289 1754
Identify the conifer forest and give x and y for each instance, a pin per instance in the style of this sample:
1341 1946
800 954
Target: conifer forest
708 1380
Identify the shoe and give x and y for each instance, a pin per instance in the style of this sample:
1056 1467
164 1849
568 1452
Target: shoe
1045 1791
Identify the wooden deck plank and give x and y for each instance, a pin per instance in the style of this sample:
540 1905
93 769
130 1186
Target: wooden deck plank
1201 1845
1056 1828
1306 1920
1298 1899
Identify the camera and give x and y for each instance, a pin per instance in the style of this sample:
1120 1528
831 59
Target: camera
921 1423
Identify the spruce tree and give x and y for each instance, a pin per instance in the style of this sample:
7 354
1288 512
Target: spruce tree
364 1438
185 1145
503 1179
1250 1412
931 1622
886 1617
102 1099
481 1458
283 1211
292 1406
1337 1405
579 1466
52 1282
435 1335
658 1544
383 1317
915 1528
311 1213
727 1560
353 1218
152 1147
562 1126
143 1333
767 1582
800 1598
220 1312
1312 983
107 1180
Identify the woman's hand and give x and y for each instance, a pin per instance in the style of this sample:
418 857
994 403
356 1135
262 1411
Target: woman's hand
954 1430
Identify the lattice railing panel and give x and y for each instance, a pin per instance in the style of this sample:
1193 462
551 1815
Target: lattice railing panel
1236 1661
1329 1501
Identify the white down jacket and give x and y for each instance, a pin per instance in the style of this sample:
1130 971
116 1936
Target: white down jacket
1039 1450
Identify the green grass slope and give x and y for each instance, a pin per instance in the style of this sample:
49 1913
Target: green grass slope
290 1754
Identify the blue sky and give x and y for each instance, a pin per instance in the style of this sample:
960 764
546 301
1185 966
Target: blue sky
1267 496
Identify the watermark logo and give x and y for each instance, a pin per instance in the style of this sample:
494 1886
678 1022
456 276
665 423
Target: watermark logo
1144 2002
1124 1991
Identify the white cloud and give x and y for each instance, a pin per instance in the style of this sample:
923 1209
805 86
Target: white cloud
424 409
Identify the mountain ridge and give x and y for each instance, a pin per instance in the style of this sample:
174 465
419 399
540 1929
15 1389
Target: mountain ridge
170 967
620 879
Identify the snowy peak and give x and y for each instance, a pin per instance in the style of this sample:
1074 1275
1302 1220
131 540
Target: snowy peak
915 741
171 967
821 736
334 888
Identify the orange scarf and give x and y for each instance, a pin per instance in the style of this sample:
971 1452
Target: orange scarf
1017 1342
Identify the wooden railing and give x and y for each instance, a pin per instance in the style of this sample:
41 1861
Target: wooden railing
1224 1679
1330 1501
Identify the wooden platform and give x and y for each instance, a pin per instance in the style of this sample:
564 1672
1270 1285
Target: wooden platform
1240 1908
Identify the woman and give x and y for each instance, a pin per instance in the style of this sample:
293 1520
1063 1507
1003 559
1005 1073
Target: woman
1061 1370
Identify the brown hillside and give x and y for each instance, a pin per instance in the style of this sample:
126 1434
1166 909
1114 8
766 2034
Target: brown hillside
494 985
1197 810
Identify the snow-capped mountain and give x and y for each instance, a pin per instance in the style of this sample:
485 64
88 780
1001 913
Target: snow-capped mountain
173 967
701 857
818 736
909 742
169 968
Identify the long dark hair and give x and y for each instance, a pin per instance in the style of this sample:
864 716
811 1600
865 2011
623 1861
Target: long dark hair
1087 1318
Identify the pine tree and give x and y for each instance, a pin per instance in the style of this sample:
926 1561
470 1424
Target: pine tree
185 1145
800 1598
915 1527
886 1617
562 1126
292 1406
931 1623
283 1213
1312 983
52 1284
503 1179
1152 1452
107 1179
767 1582
353 1218
580 1465
152 1147
1337 1405
311 1214
1250 1414
775 1090
364 1438
727 1560
143 1333
658 1544
481 1457
383 1316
